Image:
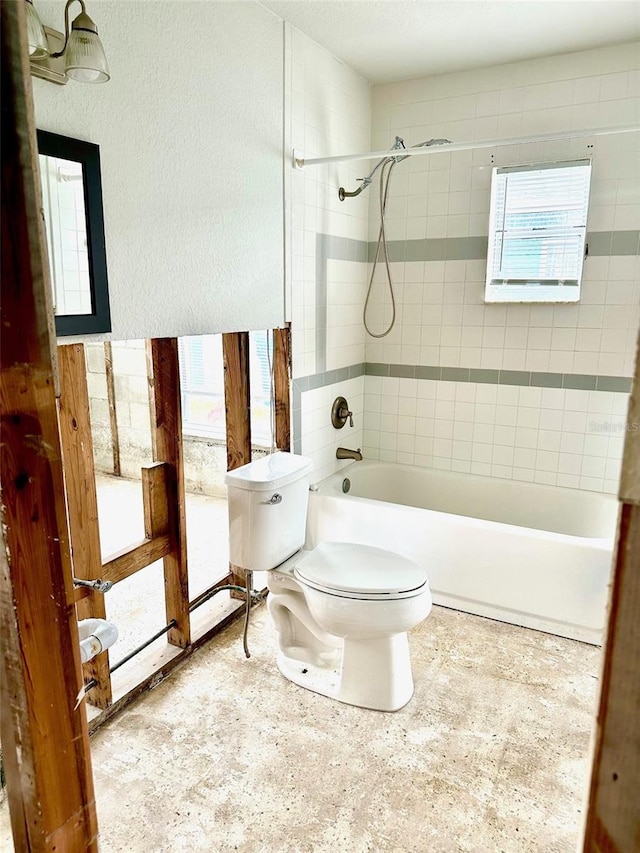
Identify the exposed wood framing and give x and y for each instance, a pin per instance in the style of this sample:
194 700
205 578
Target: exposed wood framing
121 565
166 437
113 416
147 673
613 817
155 497
237 404
237 398
630 478
82 502
44 728
282 386
157 543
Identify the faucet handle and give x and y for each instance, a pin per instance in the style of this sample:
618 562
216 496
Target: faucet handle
345 413
340 412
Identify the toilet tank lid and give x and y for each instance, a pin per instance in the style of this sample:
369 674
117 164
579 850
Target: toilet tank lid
344 566
270 472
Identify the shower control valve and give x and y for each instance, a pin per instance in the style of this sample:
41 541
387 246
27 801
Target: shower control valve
340 412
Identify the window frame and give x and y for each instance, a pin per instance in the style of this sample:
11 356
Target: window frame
534 289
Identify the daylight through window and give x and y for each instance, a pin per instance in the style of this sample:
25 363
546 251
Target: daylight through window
537 232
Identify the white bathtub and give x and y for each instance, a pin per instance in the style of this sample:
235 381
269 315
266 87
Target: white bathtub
536 556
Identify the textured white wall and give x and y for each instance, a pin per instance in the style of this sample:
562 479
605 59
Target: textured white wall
190 132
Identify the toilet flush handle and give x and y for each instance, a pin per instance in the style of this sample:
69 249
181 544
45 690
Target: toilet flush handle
273 500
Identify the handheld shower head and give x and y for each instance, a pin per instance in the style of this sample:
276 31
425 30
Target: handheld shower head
426 144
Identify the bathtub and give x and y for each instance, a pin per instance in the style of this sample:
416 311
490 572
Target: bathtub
532 555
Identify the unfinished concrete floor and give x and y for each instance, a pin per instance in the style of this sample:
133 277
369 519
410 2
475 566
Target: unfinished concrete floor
225 755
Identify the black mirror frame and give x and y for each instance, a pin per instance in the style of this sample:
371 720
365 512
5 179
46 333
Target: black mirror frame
88 154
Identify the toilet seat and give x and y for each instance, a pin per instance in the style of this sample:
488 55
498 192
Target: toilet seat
360 571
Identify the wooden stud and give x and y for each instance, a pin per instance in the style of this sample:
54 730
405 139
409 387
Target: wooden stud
282 386
166 437
630 477
237 403
148 677
82 502
613 816
158 542
237 398
113 417
81 592
155 500
122 564
44 728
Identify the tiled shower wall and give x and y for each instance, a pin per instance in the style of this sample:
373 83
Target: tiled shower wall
536 392
330 113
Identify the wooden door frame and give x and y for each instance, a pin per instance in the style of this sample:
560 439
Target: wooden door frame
613 815
44 727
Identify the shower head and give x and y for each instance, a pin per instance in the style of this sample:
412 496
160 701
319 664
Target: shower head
426 144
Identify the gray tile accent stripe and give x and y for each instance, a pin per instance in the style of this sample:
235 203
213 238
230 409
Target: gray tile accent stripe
547 380
296 417
580 381
521 378
345 248
514 377
455 374
475 248
321 380
321 301
613 383
614 243
625 242
329 247
332 248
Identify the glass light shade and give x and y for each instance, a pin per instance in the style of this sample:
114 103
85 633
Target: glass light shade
85 58
36 38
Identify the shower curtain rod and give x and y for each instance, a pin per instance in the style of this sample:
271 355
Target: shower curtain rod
300 162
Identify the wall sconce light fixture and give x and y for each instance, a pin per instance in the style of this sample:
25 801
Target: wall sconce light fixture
77 54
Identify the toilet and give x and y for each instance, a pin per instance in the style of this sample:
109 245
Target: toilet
341 611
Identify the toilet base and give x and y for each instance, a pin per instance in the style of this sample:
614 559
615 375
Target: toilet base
373 674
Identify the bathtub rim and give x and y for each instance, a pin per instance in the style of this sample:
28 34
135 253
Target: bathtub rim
600 542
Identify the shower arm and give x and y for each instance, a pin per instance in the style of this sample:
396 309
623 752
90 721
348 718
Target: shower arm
398 145
342 193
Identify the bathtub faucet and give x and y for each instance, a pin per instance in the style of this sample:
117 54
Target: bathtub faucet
345 453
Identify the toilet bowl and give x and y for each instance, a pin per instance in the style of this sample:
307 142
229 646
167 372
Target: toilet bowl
363 600
341 611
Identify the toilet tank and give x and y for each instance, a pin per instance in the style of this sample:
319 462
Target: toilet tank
268 510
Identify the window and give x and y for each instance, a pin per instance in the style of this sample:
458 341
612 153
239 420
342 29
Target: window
537 231
202 385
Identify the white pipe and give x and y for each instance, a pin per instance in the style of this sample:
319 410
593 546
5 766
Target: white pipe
301 162
95 636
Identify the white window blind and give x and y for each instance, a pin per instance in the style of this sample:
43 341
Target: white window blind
538 225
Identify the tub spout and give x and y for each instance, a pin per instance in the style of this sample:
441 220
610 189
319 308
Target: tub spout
345 453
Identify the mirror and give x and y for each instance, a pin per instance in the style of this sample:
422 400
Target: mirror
74 225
